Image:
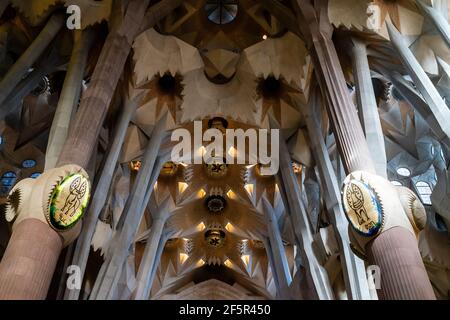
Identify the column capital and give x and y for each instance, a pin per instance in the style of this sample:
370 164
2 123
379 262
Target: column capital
58 198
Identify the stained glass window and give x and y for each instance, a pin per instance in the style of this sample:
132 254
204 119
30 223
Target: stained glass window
424 190
7 181
221 11
405 172
29 163
35 175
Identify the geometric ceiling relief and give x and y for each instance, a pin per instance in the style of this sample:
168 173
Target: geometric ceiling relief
370 17
192 23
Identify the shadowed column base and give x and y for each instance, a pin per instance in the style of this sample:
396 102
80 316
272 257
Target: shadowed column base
403 274
27 267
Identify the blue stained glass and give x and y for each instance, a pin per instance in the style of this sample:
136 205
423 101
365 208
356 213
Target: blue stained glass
7 181
29 163
35 175
221 11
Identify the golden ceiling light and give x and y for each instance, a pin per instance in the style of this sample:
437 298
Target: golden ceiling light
297 167
201 226
183 257
135 165
246 259
200 263
229 227
182 186
169 169
231 194
201 194
249 187
228 263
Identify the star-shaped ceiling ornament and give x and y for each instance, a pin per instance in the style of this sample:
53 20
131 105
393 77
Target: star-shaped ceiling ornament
167 90
275 94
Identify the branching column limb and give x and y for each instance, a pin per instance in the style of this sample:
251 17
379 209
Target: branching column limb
353 267
70 95
368 107
101 192
30 56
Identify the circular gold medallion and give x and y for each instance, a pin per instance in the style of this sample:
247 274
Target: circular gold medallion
362 208
215 238
217 168
68 202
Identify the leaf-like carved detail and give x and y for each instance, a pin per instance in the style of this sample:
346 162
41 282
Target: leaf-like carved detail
15 199
35 11
92 12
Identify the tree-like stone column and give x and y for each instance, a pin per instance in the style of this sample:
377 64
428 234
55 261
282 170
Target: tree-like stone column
367 106
150 259
317 31
15 267
277 252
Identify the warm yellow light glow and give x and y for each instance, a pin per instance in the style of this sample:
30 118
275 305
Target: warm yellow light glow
200 263
185 239
156 185
249 188
135 165
229 227
183 257
201 194
228 263
201 226
182 186
233 152
246 259
231 194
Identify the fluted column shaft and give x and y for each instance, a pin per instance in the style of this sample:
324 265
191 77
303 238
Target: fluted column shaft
368 107
100 195
26 270
353 267
280 263
70 95
392 251
106 284
82 139
349 135
144 276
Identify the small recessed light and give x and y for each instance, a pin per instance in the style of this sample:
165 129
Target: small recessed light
264 37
